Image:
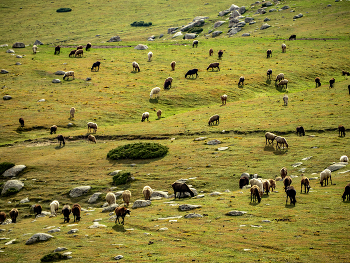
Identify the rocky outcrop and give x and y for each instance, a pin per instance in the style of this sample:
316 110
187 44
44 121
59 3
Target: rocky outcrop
39 237
14 171
114 39
79 191
18 45
141 47
16 184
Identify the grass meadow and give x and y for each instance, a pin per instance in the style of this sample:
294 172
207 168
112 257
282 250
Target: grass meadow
315 230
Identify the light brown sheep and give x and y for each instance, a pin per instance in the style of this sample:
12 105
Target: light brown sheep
126 197
147 192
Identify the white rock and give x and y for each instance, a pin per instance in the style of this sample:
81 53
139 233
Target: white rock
38 237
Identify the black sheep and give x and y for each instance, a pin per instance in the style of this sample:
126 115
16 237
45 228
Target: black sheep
195 43
57 50
331 82
181 188
346 194
192 72
66 210
318 82
244 180
96 66
341 130
60 138
291 193
37 209
21 121
293 37
88 46
14 214
121 212
220 53
269 73
300 131
269 53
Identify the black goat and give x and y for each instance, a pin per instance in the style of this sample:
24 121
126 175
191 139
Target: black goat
192 72
181 188
291 193
96 65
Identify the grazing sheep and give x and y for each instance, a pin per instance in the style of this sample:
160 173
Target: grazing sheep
60 138
283 82
76 210
266 186
92 126
268 53
223 99
346 194
331 82
269 73
126 197
255 194
72 53
349 89
35 49
167 83
72 112
244 180
21 121
293 37
300 131
57 50
214 65
159 114
147 192
192 72
121 212
282 141
80 47
241 81
79 53
279 77
53 129
96 66
344 159
341 130
66 210
283 172
181 188
149 55
145 116
2 217
347 73
135 66
68 74
220 53
306 183
211 52
259 183
269 137
272 185
318 82
37 209
13 214
54 207
285 100
291 193
324 175
91 138
214 118
172 65
195 43
88 46
155 91
284 48
110 198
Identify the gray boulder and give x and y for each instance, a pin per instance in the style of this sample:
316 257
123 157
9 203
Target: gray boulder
172 30
38 42
186 207
115 172
38 238
285 7
260 11
267 19
190 36
54 230
79 191
246 35
273 10
141 203
236 213
298 16
336 166
223 13
110 208
264 26
234 30
218 23
25 200
18 63
197 23
17 184
60 72
4 45
19 56
72 231
10 51
235 14
193 215
242 10
248 19
4 71
241 24
118 194
14 171
177 34
233 22
161 194
18 45
118 257
141 47
213 142
7 97
59 249
200 18
216 33
94 197
114 39
233 7
56 81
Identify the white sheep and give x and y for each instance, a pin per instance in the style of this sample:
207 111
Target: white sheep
344 159
279 77
145 116
324 175
135 66
258 182
282 141
91 138
126 197
72 112
35 49
285 100
91 126
223 99
283 82
284 47
155 91
110 198
269 136
54 207
172 64
147 192
150 55
159 114
68 74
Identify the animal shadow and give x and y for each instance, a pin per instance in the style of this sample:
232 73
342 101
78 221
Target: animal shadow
268 81
269 148
118 228
153 100
59 147
254 203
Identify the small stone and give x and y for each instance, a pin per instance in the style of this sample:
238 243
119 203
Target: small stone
193 216
118 257
54 230
213 142
72 231
56 81
88 79
4 71
236 213
41 100
60 72
7 97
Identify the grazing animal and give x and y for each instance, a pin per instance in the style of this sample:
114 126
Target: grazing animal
80 47
150 55
66 210
21 121
159 114
284 48
35 49
211 52
269 137
54 207
318 82
181 188
192 72
244 180
300 131
88 46
266 186
258 182
72 53
195 43
121 212
60 138
92 126
268 53
279 77
13 214
284 172
172 65
291 193
91 138
126 197
214 65
223 99
282 141
96 66
57 50
72 112
147 192
269 73
135 66
2 217
68 74
155 91
53 129
76 210
285 100
283 82
346 194
306 183
324 175
37 209
214 118
110 198
241 81
272 185
79 53
255 194
344 159
220 53
293 37
341 130
145 116
347 73
331 82
167 83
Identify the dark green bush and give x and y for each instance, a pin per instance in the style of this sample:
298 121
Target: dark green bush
5 166
196 30
141 23
11 191
138 151
121 178
53 257
60 10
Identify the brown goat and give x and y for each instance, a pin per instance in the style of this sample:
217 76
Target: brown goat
272 185
2 217
37 209
21 121
254 194
284 172
345 73
214 65
72 53
172 65
331 82
121 212
341 130
318 82
76 210
57 50
306 183
287 181
211 52
14 214
223 99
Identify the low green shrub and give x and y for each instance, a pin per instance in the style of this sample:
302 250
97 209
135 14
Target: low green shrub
53 257
121 178
64 9
141 23
11 191
5 166
138 151
196 30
